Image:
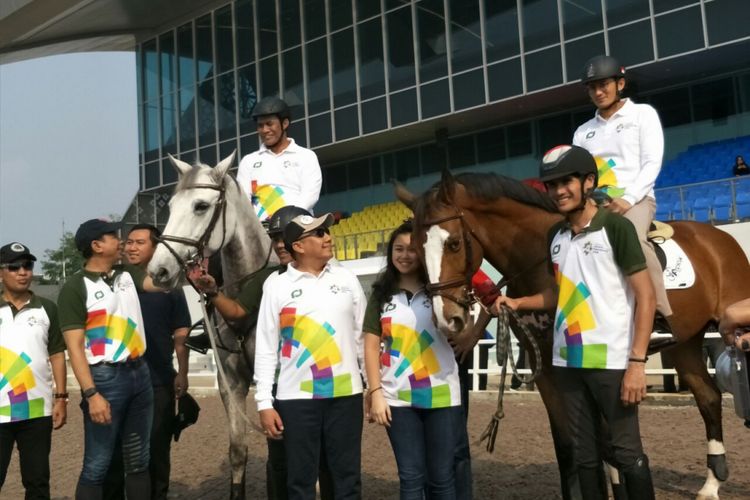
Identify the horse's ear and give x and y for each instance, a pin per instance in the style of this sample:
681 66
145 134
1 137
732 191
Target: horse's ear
447 187
182 167
404 195
222 168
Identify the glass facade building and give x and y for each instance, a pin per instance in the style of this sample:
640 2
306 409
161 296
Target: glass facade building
370 82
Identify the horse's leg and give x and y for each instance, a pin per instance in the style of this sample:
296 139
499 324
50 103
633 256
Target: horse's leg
691 367
233 396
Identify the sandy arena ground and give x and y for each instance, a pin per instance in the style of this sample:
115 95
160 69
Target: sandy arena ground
522 466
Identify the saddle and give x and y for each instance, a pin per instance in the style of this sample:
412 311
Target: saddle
658 233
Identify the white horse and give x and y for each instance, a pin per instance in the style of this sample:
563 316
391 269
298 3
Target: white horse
209 214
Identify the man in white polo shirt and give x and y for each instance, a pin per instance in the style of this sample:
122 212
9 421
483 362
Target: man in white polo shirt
627 142
29 338
281 172
310 327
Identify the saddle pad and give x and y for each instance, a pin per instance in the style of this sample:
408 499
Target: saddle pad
679 271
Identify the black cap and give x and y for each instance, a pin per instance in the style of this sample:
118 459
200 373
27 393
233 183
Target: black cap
187 414
282 217
92 230
15 251
566 160
303 224
601 68
272 105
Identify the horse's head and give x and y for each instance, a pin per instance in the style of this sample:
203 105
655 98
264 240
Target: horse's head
199 223
448 249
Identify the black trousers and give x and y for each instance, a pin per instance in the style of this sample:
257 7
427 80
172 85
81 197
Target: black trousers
34 440
333 425
162 430
590 395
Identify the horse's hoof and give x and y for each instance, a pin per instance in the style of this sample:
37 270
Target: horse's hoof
237 491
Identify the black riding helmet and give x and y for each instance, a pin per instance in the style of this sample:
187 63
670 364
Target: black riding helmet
565 160
282 217
601 68
272 106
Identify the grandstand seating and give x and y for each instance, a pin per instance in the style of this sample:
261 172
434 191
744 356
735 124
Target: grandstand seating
366 233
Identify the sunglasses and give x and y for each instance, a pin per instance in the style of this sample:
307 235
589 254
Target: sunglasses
16 266
318 233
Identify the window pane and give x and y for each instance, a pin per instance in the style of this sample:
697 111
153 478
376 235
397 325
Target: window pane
433 158
290 27
248 97
543 69
186 61
151 171
672 106
468 89
376 174
166 49
727 20
205 47
367 8
407 163
713 100
400 55
168 172
679 32
150 71
335 178
267 27
371 62
320 130
226 148
187 118
540 26
581 17
248 144
207 155
317 76
294 86
344 77
491 145
341 13
433 60
359 174
224 44
436 98
245 32
269 76
315 23
374 115
347 123
623 11
665 5
226 109
501 30
580 51
555 130
633 43
505 79
466 38
744 84
403 107
206 118
519 140
298 132
151 130
168 126
461 152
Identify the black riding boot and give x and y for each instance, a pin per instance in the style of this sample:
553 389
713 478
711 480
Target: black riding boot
138 485
91 492
637 479
593 483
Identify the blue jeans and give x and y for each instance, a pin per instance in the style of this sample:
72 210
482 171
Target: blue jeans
128 389
424 443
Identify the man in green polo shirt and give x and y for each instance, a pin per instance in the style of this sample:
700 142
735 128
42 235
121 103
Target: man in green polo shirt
29 337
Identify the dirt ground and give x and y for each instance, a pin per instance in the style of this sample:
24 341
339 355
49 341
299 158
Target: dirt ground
522 466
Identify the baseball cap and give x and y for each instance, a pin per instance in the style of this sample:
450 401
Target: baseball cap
94 229
15 251
303 224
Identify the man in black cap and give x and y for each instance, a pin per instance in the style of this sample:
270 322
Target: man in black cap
100 317
29 337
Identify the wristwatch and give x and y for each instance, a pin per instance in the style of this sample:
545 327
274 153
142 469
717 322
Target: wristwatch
90 392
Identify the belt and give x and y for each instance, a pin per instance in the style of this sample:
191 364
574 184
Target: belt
128 363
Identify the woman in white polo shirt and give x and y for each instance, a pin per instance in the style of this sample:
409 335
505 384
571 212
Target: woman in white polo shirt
627 142
414 388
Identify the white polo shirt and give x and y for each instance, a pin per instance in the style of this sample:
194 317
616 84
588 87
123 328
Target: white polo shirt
628 149
311 328
594 323
271 181
417 365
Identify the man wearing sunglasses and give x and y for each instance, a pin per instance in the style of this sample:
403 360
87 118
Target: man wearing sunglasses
29 337
310 328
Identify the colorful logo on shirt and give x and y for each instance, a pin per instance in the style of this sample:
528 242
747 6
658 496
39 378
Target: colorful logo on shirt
574 317
316 342
104 329
267 199
16 374
608 177
412 351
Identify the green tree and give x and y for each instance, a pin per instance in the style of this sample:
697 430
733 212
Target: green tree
63 261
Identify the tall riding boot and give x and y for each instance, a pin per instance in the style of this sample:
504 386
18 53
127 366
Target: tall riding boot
138 485
637 479
91 492
593 483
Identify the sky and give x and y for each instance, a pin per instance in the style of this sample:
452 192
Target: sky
68 144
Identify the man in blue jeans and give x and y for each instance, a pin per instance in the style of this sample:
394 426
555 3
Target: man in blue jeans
100 317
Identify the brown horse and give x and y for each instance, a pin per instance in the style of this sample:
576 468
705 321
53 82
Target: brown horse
464 219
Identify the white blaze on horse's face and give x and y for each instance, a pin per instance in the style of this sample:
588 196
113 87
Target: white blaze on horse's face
433 257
